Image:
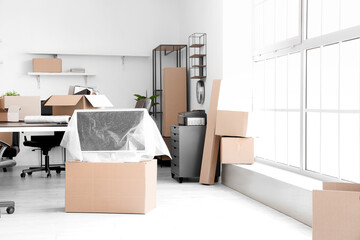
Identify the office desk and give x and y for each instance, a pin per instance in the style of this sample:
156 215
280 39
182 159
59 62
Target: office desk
31 127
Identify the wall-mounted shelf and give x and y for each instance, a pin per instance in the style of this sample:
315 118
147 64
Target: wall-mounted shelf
38 74
88 54
197 55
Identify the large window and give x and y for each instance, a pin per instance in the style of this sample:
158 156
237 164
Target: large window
307 92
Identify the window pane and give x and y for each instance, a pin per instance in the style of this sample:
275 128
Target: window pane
314 18
269 22
259 85
270 84
259 144
349 147
330 12
349 75
350 16
294 139
294 77
259 27
269 136
313 142
293 18
281 137
281 83
329 144
313 79
280 20
330 77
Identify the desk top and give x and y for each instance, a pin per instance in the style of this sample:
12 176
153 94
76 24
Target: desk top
31 127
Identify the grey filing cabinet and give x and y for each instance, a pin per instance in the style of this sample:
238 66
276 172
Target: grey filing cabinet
187 143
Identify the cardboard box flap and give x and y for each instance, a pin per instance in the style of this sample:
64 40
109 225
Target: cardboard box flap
99 100
63 100
341 186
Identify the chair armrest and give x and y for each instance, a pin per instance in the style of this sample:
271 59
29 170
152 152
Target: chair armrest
4 146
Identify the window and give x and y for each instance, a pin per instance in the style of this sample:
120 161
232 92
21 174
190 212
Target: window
307 95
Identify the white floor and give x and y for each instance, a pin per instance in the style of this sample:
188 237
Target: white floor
184 211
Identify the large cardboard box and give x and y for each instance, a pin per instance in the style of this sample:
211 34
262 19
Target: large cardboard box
66 104
336 212
174 97
29 105
231 123
211 145
237 150
49 65
110 187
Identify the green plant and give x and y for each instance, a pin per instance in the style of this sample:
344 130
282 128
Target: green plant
140 97
12 93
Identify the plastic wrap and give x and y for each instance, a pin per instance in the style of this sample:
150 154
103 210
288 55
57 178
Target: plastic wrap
116 135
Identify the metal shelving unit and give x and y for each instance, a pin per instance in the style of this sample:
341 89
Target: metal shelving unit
158 54
198 63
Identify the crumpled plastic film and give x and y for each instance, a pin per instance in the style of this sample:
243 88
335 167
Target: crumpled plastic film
116 135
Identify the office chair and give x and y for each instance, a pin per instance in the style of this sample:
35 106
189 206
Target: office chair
7 153
45 144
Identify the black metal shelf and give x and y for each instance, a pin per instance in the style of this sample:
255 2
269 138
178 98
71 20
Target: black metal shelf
161 51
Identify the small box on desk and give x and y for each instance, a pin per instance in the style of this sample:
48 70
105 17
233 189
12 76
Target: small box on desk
237 150
67 104
336 211
49 65
231 123
110 187
29 105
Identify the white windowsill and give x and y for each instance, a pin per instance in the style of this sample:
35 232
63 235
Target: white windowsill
295 179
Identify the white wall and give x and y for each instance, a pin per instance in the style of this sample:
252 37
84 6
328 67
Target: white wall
204 16
236 88
103 26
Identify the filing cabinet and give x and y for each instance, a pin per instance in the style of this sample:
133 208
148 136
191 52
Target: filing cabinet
187 143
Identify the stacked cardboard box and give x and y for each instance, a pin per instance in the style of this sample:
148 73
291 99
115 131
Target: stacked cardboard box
236 147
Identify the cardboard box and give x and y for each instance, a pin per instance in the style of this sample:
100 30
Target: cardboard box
336 212
174 97
110 187
6 137
231 123
66 104
29 105
9 115
211 145
49 65
237 150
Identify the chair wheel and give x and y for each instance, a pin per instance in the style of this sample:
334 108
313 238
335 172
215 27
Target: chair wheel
22 175
10 210
58 171
48 175
29 173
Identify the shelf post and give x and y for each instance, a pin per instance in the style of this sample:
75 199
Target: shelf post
38 81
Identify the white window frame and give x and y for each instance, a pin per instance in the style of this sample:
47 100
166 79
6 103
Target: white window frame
301 44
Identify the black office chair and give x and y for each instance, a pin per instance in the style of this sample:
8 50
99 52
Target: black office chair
45 144
7 153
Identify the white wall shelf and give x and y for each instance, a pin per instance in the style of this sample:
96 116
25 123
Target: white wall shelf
38 74
88 54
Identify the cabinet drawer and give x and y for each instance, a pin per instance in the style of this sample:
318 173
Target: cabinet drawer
174 135
174 150
174 129
175 143
175 168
